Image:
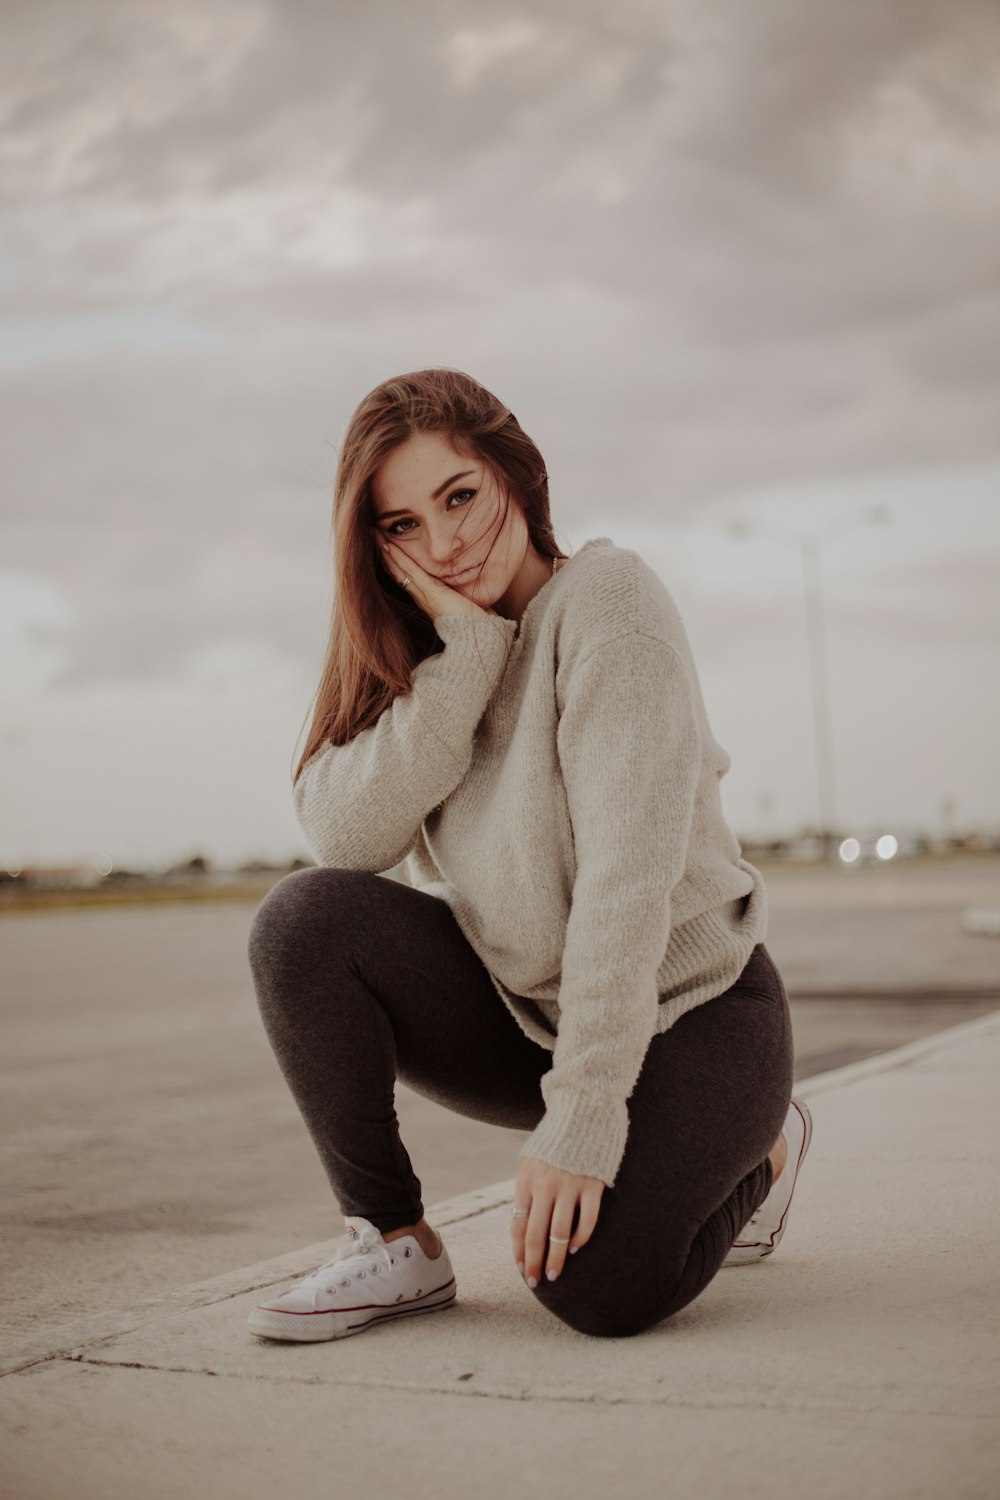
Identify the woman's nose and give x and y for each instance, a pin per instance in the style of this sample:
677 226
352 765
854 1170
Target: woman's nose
444 549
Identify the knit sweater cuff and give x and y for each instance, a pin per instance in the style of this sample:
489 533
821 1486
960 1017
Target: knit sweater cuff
582 1134
479 642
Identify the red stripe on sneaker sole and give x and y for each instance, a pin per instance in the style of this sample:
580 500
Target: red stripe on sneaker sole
322 1312
402 1311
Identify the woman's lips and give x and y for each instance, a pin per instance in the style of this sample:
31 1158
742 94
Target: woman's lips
461 576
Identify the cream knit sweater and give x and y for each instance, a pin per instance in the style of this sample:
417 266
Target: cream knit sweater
556 782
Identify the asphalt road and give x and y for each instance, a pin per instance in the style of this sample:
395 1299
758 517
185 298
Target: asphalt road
149 1139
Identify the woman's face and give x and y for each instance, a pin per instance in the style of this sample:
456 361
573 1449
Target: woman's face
444 510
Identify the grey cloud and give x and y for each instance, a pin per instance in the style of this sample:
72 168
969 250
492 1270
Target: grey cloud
150 609
662 231
511 167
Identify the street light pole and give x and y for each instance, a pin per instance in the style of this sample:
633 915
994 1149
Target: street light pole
809 545
820 682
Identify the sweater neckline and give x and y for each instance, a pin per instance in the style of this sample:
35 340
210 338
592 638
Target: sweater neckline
530 609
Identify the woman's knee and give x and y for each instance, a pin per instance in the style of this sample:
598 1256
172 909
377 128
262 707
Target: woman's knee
600 1316
622 1282
303 909
606 1297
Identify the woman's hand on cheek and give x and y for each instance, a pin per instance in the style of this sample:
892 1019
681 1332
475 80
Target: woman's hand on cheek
430 593
552 1198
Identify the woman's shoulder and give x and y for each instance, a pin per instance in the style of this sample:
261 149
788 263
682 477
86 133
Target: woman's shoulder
613 591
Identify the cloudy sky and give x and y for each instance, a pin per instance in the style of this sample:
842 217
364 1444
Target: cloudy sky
725 262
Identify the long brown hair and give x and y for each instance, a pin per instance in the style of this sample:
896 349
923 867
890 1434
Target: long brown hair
378 634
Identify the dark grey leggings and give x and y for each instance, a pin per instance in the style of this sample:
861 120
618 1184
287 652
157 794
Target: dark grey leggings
362 980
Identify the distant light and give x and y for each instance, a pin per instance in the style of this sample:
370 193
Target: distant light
849 851
887 846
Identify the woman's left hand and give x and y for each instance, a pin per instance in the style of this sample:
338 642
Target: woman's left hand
551 1197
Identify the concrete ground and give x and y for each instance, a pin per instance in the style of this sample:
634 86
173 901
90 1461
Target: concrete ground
147 1139
860 1360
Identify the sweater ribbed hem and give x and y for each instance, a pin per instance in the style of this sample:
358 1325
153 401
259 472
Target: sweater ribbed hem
704 958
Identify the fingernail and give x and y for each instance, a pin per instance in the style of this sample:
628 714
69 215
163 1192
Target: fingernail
573 1249
552 1274
532 1280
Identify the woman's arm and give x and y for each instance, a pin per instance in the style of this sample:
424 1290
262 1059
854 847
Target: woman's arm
630 750
360 805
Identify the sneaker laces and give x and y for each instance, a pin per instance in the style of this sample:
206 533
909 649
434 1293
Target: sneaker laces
356 1247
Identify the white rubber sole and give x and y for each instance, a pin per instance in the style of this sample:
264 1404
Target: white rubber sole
340 1323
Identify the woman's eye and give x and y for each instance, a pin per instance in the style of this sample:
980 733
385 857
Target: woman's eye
393 529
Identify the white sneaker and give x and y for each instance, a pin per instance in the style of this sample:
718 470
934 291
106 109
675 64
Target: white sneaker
367 1281
763 1230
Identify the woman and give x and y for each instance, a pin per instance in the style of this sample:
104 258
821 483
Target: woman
527 904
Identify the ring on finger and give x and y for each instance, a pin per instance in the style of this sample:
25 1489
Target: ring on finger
519 1213
557 1241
